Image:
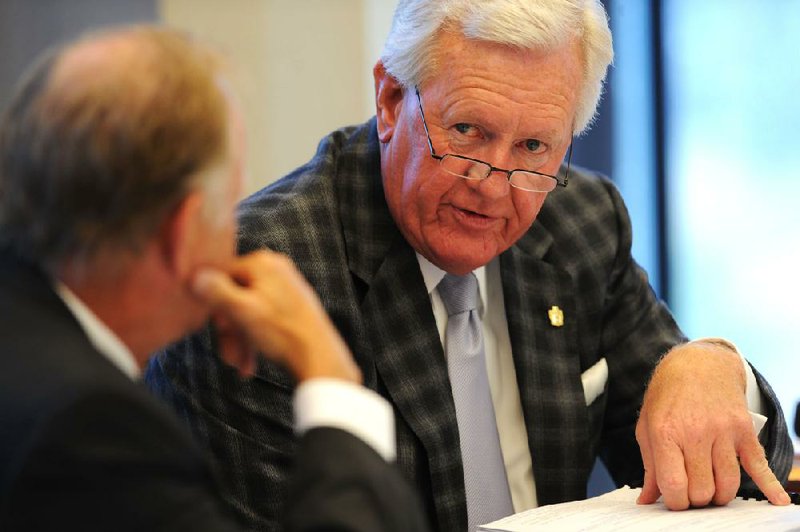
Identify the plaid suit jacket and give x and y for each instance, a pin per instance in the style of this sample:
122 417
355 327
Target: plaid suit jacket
331 217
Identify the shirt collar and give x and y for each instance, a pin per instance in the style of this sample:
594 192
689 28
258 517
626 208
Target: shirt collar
432 275
101 337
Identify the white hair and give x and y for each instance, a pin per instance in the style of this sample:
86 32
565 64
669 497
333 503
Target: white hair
409 52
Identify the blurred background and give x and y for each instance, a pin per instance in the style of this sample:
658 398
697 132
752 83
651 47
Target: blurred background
697 128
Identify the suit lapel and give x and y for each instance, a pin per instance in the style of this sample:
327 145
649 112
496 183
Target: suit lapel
411 365
401 338
548 367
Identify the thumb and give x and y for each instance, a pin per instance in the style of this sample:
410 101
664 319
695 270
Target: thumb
650 492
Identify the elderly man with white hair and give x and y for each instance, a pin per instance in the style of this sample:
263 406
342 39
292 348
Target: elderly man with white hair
487 290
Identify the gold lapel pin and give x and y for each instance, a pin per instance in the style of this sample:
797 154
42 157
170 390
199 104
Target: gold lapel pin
556 316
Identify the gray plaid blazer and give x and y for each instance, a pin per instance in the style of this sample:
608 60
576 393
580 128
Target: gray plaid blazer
331 217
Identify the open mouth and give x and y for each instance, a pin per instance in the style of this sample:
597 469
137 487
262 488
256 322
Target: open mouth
468 212
472 219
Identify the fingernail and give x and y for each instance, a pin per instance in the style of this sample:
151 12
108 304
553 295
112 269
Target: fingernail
783 498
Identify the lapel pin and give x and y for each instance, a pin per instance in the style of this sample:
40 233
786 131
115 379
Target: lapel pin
556 316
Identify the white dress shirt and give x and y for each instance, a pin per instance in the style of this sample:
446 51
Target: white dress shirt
501 372
100 336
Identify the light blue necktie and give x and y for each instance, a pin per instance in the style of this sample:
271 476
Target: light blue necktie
485 480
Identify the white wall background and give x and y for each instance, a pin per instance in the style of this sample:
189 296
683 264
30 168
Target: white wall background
302 68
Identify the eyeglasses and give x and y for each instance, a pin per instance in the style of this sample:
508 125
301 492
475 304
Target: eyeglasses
470 168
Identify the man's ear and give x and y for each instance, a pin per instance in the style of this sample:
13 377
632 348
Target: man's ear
180 236
388 99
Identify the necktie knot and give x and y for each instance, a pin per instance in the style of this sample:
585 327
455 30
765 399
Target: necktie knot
459 293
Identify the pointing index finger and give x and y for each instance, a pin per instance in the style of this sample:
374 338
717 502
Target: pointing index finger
751 456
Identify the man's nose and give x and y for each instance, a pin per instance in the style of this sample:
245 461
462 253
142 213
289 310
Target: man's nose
495 186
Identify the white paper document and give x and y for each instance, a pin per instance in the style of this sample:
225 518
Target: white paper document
618 511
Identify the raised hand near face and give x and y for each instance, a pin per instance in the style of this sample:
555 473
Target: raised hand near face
262 303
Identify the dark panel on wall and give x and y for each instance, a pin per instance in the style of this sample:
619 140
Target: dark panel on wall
594 149
29 26
660 142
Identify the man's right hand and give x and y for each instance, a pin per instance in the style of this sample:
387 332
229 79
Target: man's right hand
261 302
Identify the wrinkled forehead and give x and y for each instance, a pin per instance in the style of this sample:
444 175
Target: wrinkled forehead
536 81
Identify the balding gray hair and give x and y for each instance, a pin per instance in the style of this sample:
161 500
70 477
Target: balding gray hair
104 138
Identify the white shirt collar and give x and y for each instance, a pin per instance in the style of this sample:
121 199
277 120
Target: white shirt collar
102 338
432 275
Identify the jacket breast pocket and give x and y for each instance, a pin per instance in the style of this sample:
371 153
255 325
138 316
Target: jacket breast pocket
595 384
594 381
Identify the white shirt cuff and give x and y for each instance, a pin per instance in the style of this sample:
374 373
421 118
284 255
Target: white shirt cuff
755 401
347 406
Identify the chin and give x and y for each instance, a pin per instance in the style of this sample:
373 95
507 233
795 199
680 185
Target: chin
461 264
462 257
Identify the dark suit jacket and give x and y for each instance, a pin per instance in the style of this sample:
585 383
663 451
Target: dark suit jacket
82 447
331 217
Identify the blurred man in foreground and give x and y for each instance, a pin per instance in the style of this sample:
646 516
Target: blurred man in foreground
120 165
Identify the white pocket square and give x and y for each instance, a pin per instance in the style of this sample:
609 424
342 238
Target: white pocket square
594 381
